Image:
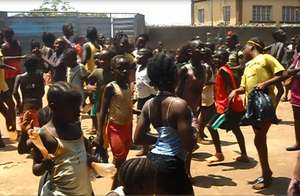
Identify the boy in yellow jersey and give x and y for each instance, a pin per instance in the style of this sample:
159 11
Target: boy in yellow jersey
90 48
259 69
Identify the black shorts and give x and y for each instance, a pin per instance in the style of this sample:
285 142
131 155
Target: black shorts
171 175
232 120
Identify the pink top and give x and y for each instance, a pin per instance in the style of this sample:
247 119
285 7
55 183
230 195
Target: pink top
295 91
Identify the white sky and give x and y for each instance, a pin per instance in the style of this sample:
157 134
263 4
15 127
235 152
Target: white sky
157 12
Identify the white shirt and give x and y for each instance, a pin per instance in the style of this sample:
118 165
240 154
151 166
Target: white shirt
143 89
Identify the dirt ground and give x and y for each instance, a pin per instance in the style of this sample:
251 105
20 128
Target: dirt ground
227 178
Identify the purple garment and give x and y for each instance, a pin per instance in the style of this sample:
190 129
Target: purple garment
295 91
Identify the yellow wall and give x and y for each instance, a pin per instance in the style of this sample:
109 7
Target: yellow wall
217 11
246 12
276 8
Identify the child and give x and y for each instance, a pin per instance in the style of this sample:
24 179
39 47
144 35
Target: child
143 89
76 73
7 105
31 85
117 107
260 68
97 80
63 139
224 83
171 117
137 177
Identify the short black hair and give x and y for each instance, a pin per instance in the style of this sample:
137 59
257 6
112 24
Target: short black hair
34 44
48 38
136 173
32 61
161 71
144 36
66 27
62 93
8 32
279 35
70 52
260 45
91 33
223 53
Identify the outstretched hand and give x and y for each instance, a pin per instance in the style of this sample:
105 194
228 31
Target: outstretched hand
27 122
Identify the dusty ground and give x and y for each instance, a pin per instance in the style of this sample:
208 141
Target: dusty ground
228 178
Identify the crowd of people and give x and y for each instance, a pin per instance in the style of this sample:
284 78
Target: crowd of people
175 94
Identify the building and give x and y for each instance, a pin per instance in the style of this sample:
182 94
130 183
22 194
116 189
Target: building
244 12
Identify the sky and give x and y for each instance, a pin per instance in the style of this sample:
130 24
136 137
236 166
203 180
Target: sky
157 12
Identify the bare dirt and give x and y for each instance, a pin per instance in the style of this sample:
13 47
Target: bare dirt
227 178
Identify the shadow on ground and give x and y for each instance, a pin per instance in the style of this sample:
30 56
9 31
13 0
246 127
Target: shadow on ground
200 156
287 122
279 187
212 180
8 145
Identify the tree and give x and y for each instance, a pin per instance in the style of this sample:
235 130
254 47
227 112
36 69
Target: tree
52 7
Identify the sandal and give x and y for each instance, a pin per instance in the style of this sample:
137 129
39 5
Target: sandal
262 183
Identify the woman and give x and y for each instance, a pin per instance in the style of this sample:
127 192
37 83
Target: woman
171 117
259 69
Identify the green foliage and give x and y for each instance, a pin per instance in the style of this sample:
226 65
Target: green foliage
52 8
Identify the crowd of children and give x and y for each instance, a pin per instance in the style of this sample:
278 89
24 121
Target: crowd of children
176 94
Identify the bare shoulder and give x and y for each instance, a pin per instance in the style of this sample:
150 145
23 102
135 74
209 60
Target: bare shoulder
179 105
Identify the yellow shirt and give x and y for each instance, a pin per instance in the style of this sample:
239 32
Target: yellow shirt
3 84
261 68
90 64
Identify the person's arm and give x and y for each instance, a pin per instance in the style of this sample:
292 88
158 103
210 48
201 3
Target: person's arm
141 136
86 53
184 125
16 93
40 165
182 76
107 96
235 92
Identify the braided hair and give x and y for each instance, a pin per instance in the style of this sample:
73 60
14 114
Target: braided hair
136 174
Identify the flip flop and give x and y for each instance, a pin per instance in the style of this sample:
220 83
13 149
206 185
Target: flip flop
261 183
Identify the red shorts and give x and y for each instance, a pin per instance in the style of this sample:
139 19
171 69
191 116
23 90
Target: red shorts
34 117
119 137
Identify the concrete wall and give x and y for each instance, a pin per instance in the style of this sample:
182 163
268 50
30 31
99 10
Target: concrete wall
174 37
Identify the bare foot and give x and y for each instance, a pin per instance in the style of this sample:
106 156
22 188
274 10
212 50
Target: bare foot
218 157
242 158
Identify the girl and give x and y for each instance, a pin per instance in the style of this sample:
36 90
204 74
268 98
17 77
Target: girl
259 68
172 118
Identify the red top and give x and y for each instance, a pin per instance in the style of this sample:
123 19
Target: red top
10 50
221 95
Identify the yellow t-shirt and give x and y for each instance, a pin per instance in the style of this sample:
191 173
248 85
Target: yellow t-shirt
261 68
90 64
3 84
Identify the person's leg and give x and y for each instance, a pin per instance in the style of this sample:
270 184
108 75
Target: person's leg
296 113
205 115
241 141
9 111
260 141
2 144
216 140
